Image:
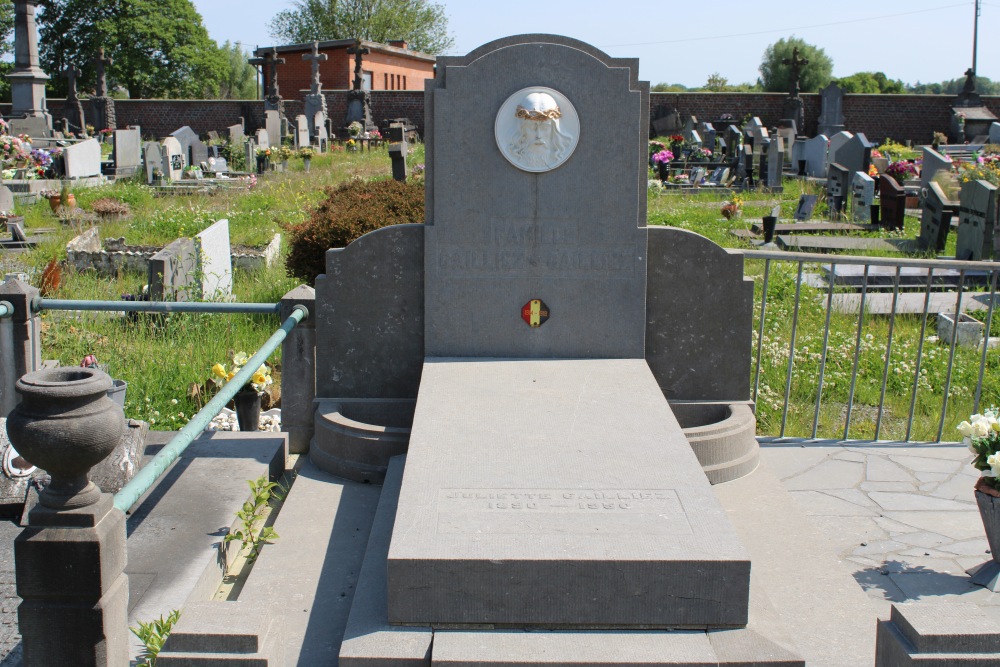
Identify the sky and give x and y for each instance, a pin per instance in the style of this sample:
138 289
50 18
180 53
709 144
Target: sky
685 42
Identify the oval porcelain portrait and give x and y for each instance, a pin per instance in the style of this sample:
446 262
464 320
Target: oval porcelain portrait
537 129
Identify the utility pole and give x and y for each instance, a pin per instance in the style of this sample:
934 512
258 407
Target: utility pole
975 34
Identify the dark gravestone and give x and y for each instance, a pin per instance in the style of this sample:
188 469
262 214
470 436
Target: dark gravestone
935 221
397 152
893 203
734 139
831 117
976 221
805 208
838 185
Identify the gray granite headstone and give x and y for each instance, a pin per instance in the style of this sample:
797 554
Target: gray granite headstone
935 220
185 136
235 133
152 154
172 272
33 126
862 197
815 154
82 159
569 237
272 123
197 152
856 154
734 139
932 163
302 131
174 159
836 142
322 136
127 152
831 118
775 162
215 264
263 139
976 221
6 199
708 134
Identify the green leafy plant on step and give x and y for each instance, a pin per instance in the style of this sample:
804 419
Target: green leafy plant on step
152 635
250 515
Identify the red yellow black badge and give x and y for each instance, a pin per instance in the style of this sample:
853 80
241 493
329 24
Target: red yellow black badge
535 312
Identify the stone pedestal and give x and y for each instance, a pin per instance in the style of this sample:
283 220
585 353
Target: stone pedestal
20 344
70 576
298 370
27 80
314 104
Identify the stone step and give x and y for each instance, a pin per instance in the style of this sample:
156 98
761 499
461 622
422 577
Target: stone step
307 577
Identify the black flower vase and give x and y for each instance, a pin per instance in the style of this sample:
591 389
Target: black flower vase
247 402
770 223
663 169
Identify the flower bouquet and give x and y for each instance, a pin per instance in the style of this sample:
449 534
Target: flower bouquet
901 170
981 434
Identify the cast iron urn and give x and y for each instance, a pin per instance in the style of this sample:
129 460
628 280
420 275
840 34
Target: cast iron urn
65 424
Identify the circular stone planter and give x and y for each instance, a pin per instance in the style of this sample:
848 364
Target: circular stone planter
723 437
355 438
65 424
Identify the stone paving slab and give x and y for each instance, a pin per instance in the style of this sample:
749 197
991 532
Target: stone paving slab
914 527
800 243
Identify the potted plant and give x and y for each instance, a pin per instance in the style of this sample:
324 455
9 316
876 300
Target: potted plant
67 198
981 434
306 154
53 196
263 157
732 208
284 153
247 400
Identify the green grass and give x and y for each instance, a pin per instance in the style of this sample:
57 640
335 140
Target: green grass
162 357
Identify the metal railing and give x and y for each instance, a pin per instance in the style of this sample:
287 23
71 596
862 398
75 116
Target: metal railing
154 306
986 272
149 473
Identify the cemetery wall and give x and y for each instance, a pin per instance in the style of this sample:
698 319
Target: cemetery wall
901 117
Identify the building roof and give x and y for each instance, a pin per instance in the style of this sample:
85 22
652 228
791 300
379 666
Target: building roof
376 47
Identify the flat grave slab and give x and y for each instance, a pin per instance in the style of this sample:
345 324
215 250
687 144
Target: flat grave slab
557 493
814 227
834 243
884 276
909 303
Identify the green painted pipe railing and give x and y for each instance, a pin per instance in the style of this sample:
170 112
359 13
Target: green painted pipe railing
155 306
145 478
6 310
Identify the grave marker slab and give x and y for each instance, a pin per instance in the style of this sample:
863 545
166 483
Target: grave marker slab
892 198
775 162
127 152
838 187
994 135
6 200
235 133
263 139
976 221
215 266
862 197
152 154
935 221
856 154
272 123
933 162
82 159
173 159
185 136
805 208
815 154
831 118
836 142
302 131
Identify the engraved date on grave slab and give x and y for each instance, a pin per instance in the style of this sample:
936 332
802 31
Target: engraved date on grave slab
561 511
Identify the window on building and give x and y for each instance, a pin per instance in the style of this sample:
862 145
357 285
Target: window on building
386 86
404 82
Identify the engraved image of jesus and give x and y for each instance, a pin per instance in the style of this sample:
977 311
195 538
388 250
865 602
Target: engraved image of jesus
532 130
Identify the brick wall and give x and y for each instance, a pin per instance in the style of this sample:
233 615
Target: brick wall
901 117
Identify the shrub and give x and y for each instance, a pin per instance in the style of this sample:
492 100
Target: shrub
106 207
350 210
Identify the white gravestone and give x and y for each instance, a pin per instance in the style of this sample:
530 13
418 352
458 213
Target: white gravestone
83 159
215 262
173 159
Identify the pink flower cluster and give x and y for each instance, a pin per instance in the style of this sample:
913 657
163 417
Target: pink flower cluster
663 157
902 170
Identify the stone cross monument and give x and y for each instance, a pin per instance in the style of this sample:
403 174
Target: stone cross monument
73 109
793 105
315 101
359 102
101 113
27 80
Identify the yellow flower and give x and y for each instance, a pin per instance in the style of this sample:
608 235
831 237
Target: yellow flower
259 378
219 370
230 375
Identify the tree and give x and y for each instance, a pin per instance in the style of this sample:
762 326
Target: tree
6 46
984 86
775 75
239 79
422 24
160 48
668 88
871 83
716 83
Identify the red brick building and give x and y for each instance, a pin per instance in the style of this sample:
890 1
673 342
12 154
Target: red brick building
390 66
